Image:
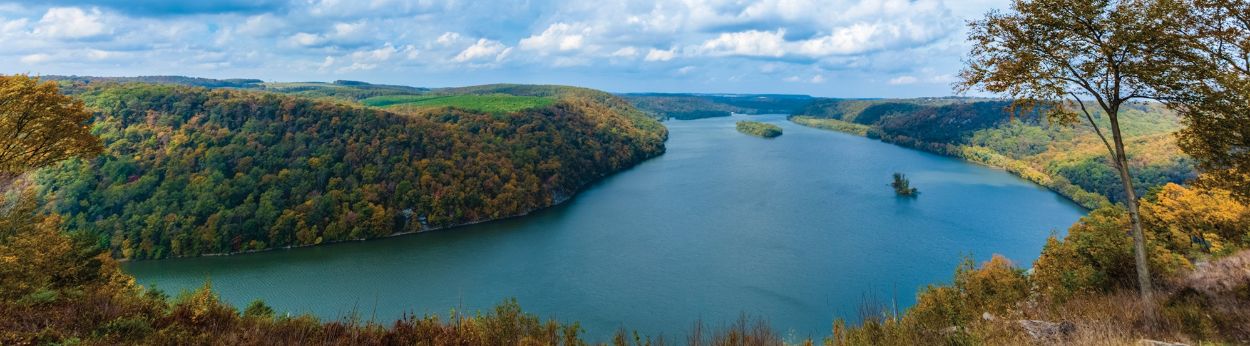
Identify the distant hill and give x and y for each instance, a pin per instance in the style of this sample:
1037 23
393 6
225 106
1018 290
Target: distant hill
175 80
695 106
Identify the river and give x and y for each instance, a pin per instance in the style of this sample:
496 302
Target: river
799 229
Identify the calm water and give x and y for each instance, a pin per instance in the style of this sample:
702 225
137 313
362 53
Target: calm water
799 228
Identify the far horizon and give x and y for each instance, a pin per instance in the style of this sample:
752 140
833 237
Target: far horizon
618 92
843 49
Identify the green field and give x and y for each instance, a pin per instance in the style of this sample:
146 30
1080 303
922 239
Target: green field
493 103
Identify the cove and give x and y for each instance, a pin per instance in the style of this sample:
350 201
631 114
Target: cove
797 229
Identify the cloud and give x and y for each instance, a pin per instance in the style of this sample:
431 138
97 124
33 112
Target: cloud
71 23
372 8
903 80
813 46
625 52
559 37
747 43
660 55
483 50
260 25
177 8
448 38
35 58
348 35
306 39
815 79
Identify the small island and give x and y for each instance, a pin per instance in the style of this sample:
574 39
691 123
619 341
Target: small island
902 186
756 128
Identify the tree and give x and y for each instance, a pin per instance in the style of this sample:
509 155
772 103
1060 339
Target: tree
39 126
1213 96
1057 53
902 186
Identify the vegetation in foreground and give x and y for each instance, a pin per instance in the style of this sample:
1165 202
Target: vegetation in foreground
758 129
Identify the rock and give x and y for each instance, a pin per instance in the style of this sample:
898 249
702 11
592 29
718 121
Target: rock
1047 331
987 316
1221 276
1148 342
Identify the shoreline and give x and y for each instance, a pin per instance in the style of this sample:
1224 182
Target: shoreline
860 130
557 200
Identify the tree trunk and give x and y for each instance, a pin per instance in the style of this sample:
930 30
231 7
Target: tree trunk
1139 239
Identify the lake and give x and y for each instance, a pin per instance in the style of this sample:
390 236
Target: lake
799 229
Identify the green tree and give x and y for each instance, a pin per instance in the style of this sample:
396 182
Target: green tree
39 126
1059 53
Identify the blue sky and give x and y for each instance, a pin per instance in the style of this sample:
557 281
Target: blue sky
837 48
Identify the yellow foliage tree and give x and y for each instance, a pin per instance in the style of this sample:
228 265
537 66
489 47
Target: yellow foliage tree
1198 221
39 126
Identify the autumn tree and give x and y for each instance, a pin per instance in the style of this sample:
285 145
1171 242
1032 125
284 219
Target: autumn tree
1068 56
1213 96
39 126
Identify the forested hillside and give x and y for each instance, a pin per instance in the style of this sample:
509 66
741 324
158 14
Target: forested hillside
695 106
189 171
1068 159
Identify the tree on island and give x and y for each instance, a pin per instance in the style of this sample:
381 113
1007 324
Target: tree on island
902 186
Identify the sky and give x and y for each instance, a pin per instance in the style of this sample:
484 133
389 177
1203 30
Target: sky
832 48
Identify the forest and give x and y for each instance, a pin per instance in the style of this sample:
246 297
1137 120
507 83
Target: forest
188 171
758 129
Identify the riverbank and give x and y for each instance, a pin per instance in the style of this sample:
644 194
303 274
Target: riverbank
977 155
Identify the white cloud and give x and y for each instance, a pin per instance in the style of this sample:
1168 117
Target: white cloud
857 38
35 58
560 37
339 34
660 55
372 8
747 43
9 27
903 80
325 64
625 52
306 39
448 38
483 50
260 25
816 79
357 66
70 22
739 45
381 54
